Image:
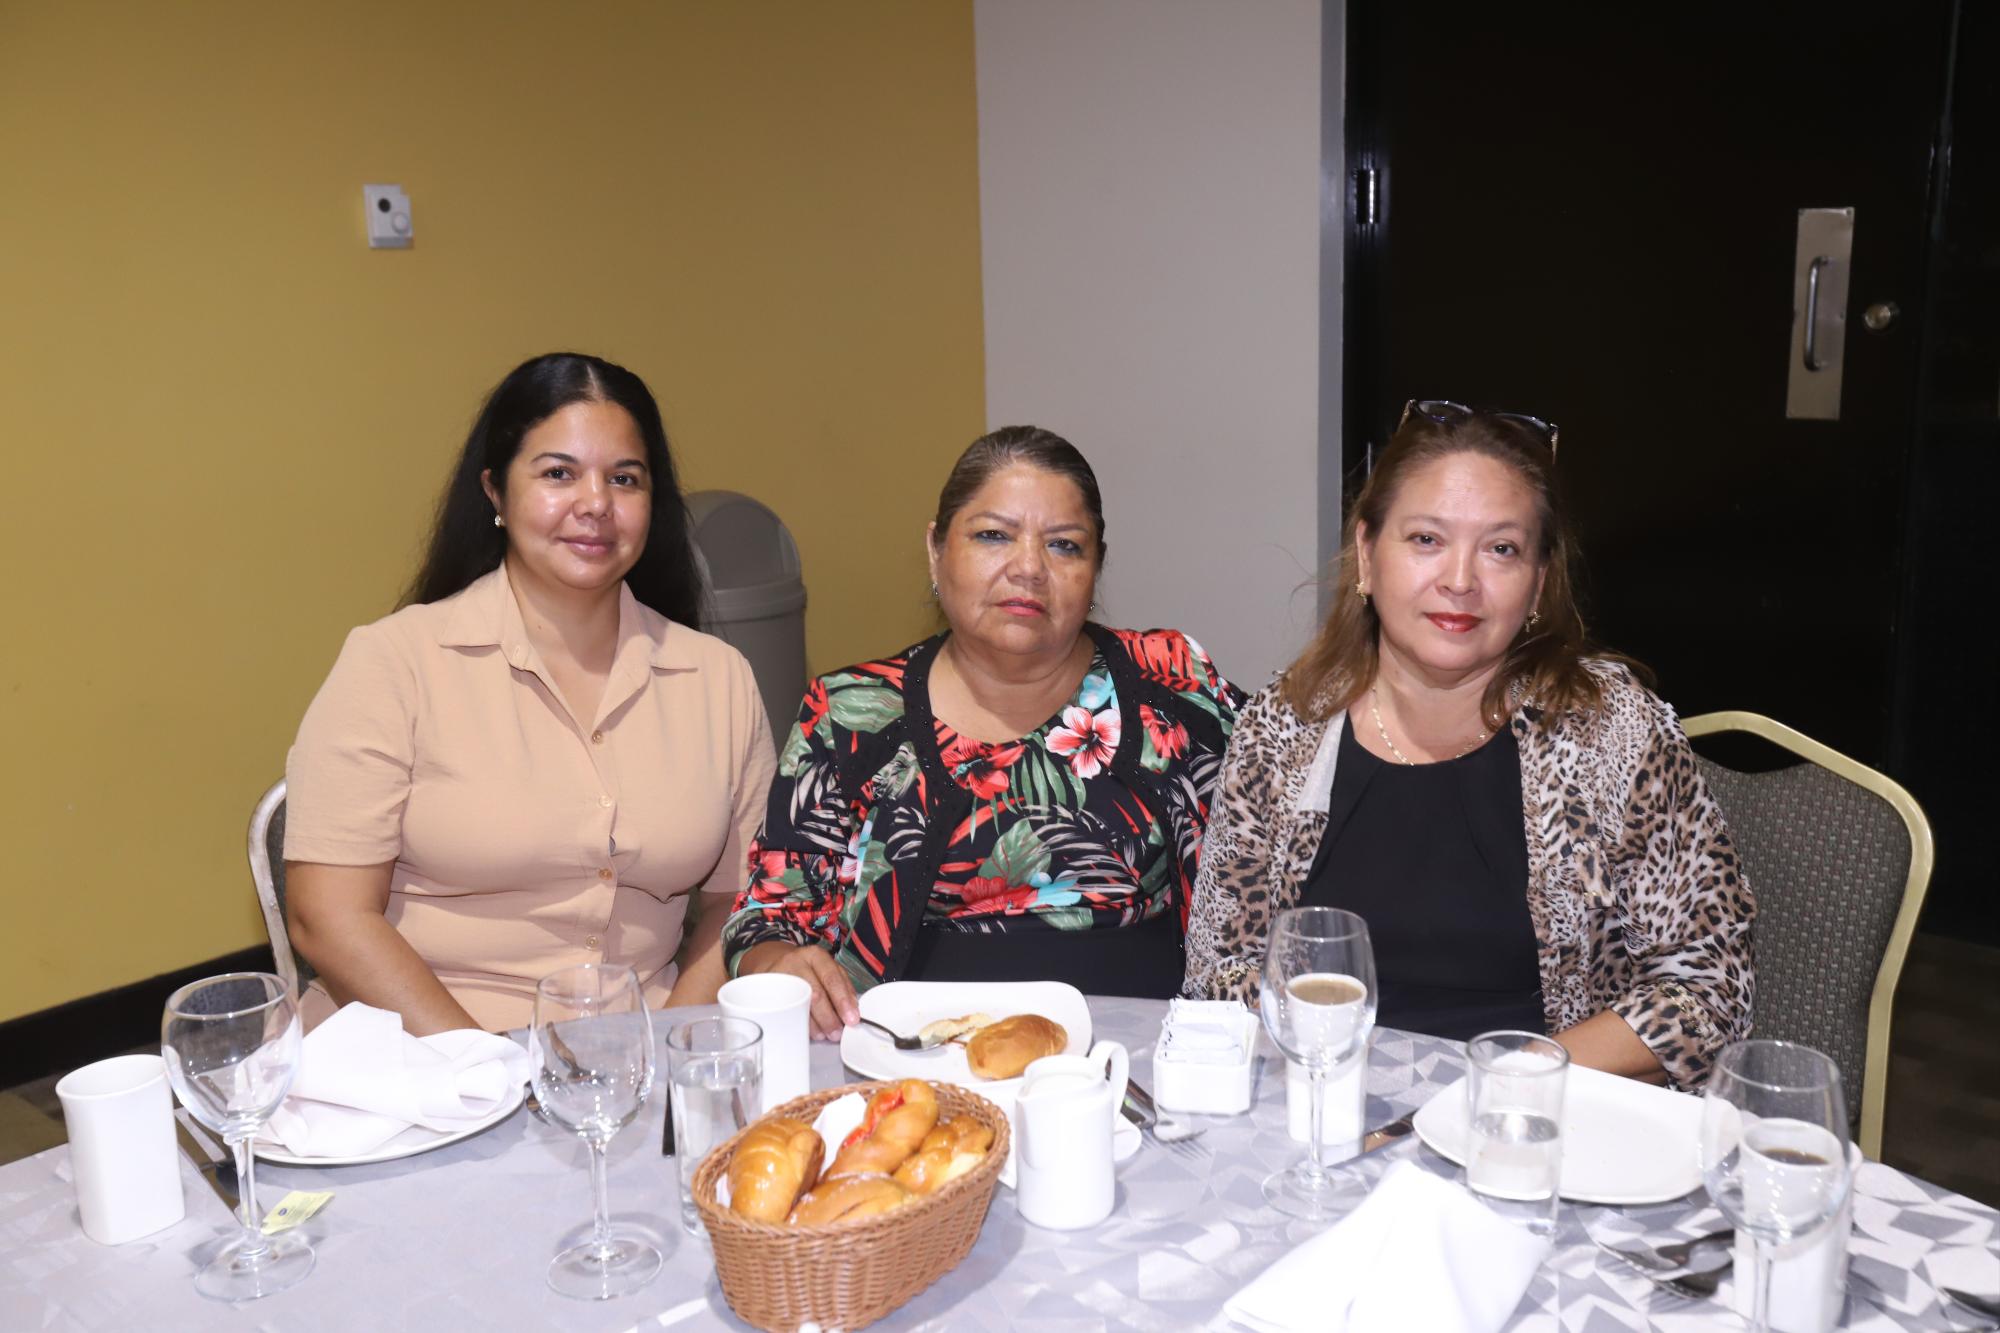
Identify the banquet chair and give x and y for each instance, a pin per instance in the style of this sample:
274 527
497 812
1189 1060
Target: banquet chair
267 869
1839 857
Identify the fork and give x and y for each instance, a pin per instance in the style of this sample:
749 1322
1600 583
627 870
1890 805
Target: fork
1670 1258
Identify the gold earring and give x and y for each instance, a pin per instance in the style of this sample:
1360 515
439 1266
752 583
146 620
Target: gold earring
1534 619
1361 592
934 590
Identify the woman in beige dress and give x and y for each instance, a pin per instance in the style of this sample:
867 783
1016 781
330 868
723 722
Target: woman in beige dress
538 761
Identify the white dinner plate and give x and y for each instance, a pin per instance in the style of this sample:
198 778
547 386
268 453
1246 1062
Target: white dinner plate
409 1143
905 1006
1623 1141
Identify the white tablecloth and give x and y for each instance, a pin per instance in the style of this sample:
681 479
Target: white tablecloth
461 1237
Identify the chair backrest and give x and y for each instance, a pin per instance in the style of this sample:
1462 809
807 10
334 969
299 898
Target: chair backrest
267 871
1839 857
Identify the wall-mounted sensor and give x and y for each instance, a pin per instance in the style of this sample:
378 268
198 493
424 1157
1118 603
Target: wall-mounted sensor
388 210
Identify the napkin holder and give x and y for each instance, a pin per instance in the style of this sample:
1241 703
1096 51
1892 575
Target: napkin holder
1198 1071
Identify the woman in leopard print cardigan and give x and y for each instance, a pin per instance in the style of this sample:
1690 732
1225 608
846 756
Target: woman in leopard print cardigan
1454 625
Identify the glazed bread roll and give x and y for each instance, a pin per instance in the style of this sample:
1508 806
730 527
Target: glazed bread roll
774 1161
948 1152
1005 1048
848 1198
894 1126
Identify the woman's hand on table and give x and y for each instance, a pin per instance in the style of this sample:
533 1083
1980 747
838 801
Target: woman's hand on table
834 1007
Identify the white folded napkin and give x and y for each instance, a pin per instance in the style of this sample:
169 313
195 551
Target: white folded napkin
1420 1252
362 1080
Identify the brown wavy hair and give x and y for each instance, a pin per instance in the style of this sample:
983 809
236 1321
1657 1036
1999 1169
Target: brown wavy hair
1545 664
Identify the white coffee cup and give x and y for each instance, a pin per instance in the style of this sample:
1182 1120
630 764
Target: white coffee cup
1340 1108
120 1117
780 1004
1064 1115
1808 1273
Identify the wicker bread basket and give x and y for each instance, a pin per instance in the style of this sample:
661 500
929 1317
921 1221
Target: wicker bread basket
848 1274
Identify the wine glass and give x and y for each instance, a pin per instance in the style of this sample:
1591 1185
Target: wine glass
231 1045
593 1049
1317 998
1774 1148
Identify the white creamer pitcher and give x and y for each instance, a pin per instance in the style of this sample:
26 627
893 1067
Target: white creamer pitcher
1063 1119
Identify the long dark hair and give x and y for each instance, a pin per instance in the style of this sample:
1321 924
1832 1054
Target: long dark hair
465 544
1546 662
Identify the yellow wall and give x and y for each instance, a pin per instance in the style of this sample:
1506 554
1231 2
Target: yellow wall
225 420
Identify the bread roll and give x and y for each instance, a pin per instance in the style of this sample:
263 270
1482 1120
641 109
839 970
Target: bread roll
773 1162
847 1198
950 1029
948 1152
896 1121
1005 1048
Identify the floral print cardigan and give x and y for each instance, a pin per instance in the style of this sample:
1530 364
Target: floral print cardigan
883 818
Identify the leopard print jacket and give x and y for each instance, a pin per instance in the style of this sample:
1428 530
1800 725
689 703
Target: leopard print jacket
1634 889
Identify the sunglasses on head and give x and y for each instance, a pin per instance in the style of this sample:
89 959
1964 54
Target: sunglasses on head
1444 411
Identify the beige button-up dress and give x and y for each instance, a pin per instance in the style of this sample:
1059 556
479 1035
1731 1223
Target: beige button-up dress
525 839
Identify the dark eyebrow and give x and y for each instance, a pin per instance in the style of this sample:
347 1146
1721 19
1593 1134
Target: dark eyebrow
1013 522
639 463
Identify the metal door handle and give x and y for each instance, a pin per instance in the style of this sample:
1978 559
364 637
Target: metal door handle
1812 312
1821 265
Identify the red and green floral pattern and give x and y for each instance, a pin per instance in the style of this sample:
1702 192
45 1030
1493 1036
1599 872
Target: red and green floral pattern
1053 833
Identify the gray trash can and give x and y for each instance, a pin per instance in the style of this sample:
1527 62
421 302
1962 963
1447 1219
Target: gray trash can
756 598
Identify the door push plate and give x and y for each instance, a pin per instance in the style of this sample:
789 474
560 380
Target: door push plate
1819 313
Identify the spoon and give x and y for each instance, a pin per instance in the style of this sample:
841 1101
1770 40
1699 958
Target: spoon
1983 1305
1668 1258
905 1043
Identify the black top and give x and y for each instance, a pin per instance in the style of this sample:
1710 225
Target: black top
1434 858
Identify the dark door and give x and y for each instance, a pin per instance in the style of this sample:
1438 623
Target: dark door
1591 213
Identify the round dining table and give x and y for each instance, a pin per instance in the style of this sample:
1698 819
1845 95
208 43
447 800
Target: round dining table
460 1237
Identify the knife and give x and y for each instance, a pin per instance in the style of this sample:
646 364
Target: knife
220 1173
1139 1106
1384 1135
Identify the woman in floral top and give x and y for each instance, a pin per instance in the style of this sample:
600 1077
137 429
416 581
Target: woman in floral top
1021 797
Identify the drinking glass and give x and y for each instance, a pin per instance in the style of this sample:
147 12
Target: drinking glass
231 1046
715 1077
1317 997
593 1050
1774 1148
1514 1150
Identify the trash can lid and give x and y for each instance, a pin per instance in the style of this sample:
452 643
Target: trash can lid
742 543
759 601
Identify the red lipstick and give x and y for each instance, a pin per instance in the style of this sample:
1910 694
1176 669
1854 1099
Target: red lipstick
1451 624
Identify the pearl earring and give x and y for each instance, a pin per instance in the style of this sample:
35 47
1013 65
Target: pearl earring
499 522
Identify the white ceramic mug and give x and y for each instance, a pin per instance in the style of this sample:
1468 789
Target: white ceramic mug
127 1173
780 1004
1809 1274
1340 1107
1064 1115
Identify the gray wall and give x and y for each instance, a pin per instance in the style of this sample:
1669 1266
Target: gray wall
1151 213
